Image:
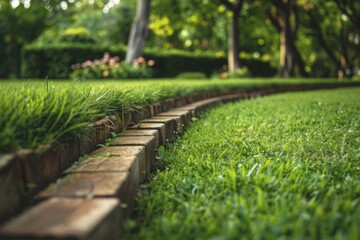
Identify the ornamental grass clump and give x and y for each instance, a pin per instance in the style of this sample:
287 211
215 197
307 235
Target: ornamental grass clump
111 68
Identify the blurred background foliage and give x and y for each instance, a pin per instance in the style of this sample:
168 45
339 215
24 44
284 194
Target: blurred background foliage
327 34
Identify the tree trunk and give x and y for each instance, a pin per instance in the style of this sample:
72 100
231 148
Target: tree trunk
315 26
290 57
233 37
286 40
299 62
233 41
286 68
347 68
139 30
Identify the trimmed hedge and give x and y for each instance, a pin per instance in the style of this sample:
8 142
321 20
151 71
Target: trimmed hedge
54 61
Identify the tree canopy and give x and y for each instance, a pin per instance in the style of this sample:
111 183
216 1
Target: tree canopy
300 37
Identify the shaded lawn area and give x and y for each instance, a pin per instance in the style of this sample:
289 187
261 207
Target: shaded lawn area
279 167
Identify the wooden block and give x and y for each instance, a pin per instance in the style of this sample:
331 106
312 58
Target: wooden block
40 166
180 101
70 151
140 114
185 115
177 112
197 107
168 104
102 133
194 111
198 97
98 185
64 218
88 141
152 126
126 119
147 141
177 123
145 132
233 97
114 159
116 123
11 187
204 104
155 109
170 126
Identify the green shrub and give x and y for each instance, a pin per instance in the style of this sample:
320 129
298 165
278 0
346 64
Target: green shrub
258 68
356 77
55 60
192 75
242 72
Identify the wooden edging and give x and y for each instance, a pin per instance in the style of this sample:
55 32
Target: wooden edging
97 193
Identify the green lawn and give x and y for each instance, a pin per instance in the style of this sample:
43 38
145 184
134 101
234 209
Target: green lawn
279 167
34 112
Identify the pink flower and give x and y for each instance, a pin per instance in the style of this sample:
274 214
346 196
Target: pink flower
140 60
106 57
97 62
112 62
87 63
151 63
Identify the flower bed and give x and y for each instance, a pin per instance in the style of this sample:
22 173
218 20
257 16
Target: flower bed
111 68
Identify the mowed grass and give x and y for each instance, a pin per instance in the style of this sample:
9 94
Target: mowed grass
41 112
280 167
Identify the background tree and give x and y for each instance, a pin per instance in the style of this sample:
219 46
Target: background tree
165 24
234 33
139 30
334 33
112 27
284 16
326 32
259 40
198 25
205 25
